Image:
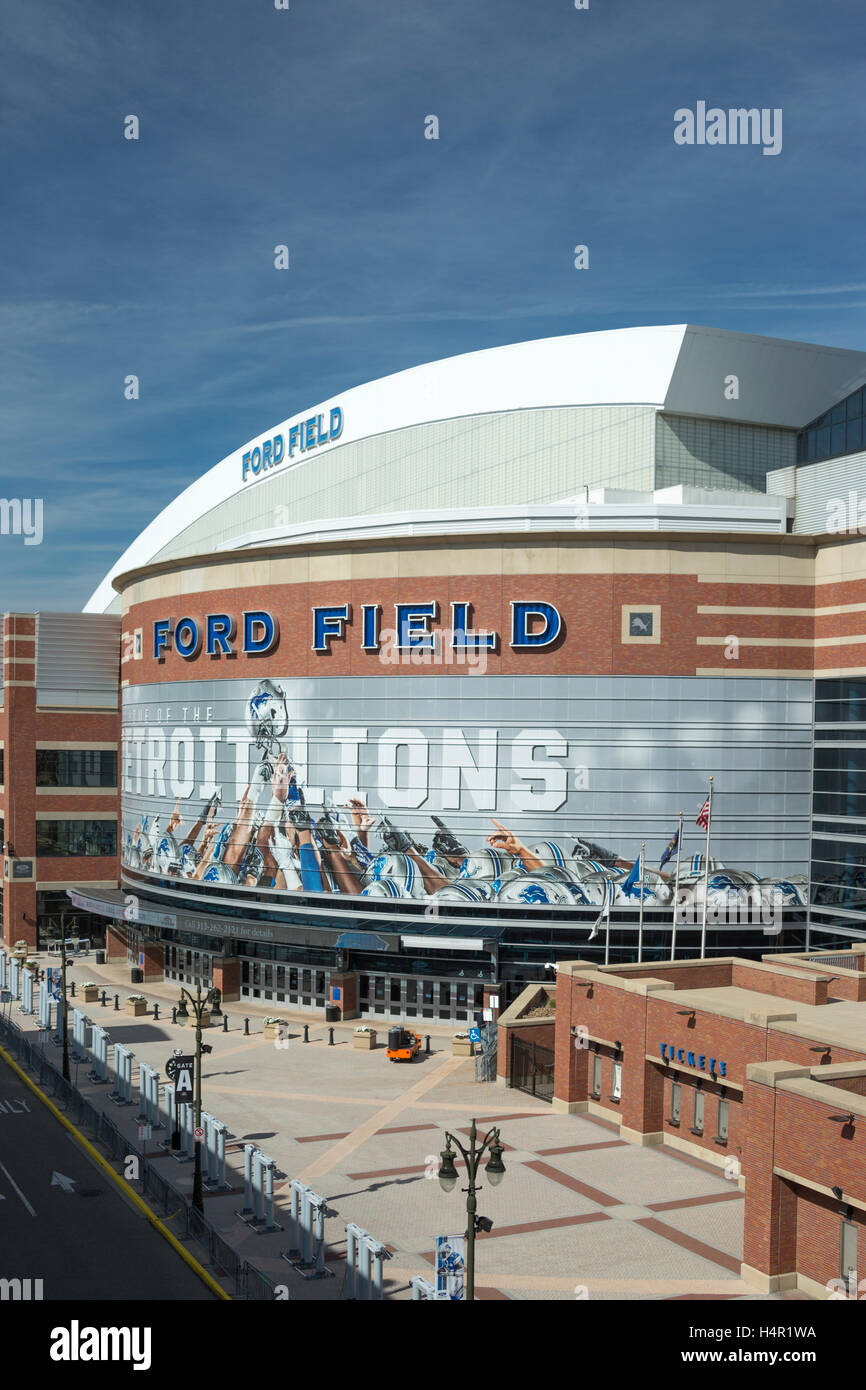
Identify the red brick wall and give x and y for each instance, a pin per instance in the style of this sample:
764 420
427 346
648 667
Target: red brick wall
801 989
810 1144
819 1237
711 975
712 1096
590 604
227 977
784 1046
842 987
770 1237
727 1040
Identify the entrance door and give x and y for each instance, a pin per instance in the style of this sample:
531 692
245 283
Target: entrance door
848 1257
532 1068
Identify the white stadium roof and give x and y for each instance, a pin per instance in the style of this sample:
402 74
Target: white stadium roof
677 368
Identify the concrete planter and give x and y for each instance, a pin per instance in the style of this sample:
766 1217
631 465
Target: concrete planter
461 1047
364 1041
136 1007
90 996
276 1030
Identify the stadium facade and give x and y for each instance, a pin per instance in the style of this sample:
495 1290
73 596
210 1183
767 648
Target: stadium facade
409 679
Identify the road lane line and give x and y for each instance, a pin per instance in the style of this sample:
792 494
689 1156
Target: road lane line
117 1180
18 1190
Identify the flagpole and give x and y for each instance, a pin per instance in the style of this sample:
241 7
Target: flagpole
676 891
640 921
608 890
706 874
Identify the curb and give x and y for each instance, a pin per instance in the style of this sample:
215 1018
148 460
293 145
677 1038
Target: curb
119 1182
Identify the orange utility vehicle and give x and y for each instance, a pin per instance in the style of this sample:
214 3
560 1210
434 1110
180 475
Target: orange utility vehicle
402 1045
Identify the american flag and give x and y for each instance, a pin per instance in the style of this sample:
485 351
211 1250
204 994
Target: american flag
703 819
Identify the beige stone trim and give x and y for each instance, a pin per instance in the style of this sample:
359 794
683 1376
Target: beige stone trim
768 1283
73 815
830 611
713 1080
642 1141
819 1187
853 640
87 745
775 672
77 791
81 883
565 1107
687 1146
771 1073
30 685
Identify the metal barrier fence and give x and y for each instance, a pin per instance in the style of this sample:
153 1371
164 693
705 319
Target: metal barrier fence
247 1281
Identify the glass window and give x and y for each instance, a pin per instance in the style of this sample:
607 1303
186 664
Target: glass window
848 1255
855 405
76 767
837 413
77 838
837 439
698 1120
853 436
676 1102
723 1120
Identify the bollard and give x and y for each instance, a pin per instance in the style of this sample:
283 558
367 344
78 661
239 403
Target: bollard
72 989
249 1150
378 1254
427 1043
225 1023
306 1032
364 1271
297 1190
330 1037
246 1027
116 1002
104 997
156 1013
351 1244
174 1013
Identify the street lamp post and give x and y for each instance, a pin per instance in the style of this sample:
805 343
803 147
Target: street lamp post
495 1170
201 1002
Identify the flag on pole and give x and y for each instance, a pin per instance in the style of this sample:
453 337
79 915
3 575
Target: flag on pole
604 915
703 819
671 849
631 888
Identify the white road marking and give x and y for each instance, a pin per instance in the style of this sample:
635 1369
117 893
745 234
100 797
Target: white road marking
18 1190
60 1180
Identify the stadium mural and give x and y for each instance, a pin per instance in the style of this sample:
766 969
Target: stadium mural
284 785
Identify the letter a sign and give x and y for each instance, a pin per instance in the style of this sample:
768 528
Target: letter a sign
183 1090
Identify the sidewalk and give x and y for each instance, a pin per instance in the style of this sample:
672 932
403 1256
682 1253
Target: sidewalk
115 979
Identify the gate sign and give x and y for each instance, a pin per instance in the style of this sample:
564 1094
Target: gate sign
183 1086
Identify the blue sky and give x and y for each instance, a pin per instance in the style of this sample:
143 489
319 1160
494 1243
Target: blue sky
306 127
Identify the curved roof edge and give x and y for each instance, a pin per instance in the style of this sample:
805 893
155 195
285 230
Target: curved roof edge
673 366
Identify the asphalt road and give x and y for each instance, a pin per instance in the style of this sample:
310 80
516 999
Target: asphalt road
80 1237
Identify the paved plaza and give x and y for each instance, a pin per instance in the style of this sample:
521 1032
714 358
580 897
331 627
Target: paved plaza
579 1214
